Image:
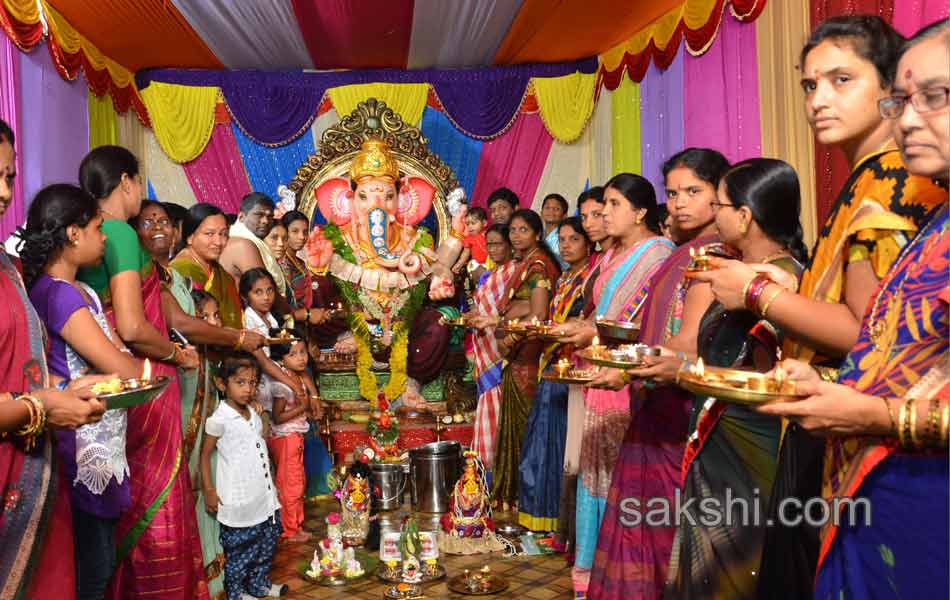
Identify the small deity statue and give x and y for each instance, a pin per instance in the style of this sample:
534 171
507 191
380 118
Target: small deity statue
355 504
411 570
328 558
469 512
351 566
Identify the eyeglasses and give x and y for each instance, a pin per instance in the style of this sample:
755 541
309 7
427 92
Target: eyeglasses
717 205
148 223
924 101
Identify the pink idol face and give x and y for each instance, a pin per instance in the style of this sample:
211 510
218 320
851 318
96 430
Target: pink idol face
375 192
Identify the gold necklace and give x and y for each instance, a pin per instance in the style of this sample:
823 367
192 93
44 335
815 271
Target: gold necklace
875 327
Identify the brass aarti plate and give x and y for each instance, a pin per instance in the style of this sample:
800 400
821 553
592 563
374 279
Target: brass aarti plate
621 331
618 358
736 385
135 392
494 584
570 376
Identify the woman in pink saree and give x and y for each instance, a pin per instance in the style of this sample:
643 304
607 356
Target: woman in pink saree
158 552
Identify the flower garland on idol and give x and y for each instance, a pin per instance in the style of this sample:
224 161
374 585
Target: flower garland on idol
405 306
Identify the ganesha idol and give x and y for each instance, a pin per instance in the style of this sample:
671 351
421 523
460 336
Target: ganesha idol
382 262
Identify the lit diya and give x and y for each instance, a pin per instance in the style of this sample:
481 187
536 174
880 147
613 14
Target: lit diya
564 371
478 583
625 356
737 385
124 393
700 260
284 337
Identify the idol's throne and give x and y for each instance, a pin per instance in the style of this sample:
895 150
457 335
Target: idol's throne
386 217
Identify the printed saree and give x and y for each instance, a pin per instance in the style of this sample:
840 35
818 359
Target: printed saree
519 379
903 553
198 401
158 551
36 532
879 209
631 561
542 455
730 459
217 282
619 290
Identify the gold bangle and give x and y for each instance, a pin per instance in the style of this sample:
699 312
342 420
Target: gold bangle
37 423
240 341
745 289
768 303
890 413
902 424
827 374
913 423
944 424
933 423
625 377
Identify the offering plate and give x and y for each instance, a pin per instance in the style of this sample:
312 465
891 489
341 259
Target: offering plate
627 356
135 392
572 375
620 331
494 585
735 385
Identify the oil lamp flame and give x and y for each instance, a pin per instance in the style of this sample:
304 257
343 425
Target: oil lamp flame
698 368
147 371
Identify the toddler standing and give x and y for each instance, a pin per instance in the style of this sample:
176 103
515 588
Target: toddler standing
242 494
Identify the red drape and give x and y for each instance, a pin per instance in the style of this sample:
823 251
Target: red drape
831 168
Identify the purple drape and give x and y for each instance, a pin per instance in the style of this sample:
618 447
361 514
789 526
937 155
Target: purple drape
514 160
275 107
9 112
721 91
54 123
661 119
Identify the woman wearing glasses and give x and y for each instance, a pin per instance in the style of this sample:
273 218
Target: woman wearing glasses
889 423
848 66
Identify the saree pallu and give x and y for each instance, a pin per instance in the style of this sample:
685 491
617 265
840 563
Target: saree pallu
631 559
542 456
882 206
198 401
159 551
620 290
730 458
299 279
488 362
218 283
36 531
906 544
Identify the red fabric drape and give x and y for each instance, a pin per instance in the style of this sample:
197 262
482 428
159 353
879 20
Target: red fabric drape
831 168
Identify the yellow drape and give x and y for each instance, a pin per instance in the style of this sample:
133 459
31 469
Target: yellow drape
24 11
565 103
601 136
102 121
406 99
625 131
182 117
71 41
781 31
168 178
692 13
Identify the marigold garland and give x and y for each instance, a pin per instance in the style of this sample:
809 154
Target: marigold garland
399 349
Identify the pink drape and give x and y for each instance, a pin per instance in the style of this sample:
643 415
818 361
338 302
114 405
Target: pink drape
9 112
217 176
911 15
721 94
514 160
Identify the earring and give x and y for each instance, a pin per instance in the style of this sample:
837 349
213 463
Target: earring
74 242
743 228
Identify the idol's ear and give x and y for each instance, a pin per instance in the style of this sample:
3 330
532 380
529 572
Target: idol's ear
335 200
415 199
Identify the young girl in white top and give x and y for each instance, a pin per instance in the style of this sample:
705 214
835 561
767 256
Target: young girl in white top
286 441
258 291
242 495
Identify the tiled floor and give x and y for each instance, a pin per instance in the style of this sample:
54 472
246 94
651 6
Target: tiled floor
530 578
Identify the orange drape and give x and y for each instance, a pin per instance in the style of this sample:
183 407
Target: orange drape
139 33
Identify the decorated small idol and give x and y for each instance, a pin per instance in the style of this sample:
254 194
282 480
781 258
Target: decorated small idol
355 504
469 512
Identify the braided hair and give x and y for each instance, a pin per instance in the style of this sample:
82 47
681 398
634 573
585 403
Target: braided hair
54 208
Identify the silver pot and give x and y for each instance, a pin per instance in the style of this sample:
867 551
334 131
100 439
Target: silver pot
433 470
389 485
